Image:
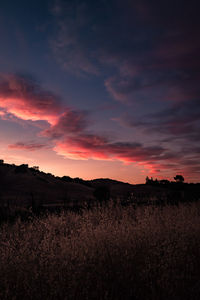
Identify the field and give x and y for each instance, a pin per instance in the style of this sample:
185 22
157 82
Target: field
111 252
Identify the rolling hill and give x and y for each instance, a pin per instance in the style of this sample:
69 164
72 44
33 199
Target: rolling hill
24 186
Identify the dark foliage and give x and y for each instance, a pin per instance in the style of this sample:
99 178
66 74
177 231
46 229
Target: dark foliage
102 193
67 179
21 169
179 178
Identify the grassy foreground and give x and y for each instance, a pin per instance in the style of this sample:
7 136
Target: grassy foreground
106 253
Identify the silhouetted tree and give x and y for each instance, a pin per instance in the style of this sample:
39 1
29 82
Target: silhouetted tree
21 169
36 168
147 180
179 178
81 181
151 181
164 181
67 179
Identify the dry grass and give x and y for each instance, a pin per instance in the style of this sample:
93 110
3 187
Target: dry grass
106 253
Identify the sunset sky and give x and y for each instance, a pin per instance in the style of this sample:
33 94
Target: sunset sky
101 88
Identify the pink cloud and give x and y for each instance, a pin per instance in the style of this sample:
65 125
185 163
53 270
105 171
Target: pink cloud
69 122
68 128
2 113
27 146
83 147
23 98
97 147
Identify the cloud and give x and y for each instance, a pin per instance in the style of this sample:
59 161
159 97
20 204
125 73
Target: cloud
27 146
98 147
22 97
136 87
69 122
144 51
148 55
179 120
156 74
2 113
70 20
155 159
177 129
68 131
82 147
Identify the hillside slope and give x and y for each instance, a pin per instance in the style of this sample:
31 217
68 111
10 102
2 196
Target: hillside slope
27 185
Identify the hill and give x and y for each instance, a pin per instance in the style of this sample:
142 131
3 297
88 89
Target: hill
24 186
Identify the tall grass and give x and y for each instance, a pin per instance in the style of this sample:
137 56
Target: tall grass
106 253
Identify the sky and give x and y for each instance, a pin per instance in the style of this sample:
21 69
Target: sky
101 89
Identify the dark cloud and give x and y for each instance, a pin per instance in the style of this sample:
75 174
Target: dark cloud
146 51
177 128
68 46
181 119
69 122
